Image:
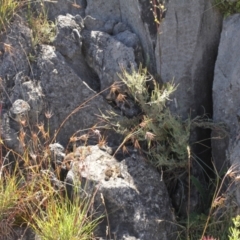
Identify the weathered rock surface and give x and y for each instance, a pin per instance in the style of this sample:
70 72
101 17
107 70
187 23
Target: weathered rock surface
22 107
62 7
186 51
136 198
107 56
15 47
68 42
226 90
135 14
64 91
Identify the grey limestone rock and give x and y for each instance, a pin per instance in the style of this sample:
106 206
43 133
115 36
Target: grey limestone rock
136 14
107 56
226 89
62 7
91 23
15 47
186 50
30 91
68 42
136 199
131 40
63 92
26 103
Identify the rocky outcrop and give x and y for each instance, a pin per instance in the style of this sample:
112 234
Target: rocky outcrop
64 91
107 56
135 14
186 51
136 203
68 42
226 93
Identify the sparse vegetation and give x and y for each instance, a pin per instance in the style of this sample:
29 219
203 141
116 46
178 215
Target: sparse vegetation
43 30
7 10
159 133
31 194
64 219
228 7
28 195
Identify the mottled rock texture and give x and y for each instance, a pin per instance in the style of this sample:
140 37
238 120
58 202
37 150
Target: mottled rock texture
134 194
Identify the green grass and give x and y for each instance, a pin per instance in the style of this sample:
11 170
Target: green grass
7 11
63 220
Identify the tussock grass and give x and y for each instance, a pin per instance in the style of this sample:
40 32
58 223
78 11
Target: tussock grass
64 219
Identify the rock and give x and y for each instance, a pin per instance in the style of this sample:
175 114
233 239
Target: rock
15 47
26 103
29 90
136 199
57 153
68 42
226 91
19 110
64 91
91 23
107 56
135 14
64 36
186 52
109 25
62 7
131 40
9 133
120 27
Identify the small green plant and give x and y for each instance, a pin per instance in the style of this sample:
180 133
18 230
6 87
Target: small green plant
43 29
235 229
165 136
7 10
228 7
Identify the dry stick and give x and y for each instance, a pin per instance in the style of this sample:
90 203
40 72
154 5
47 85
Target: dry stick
76 110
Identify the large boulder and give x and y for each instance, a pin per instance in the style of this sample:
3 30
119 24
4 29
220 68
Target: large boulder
63 92
226 98
135 197
186 52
